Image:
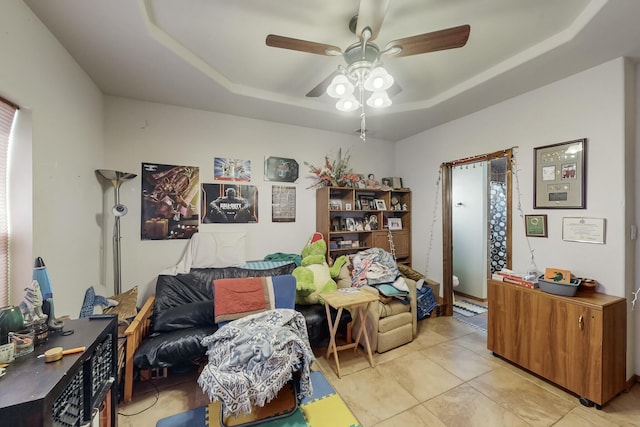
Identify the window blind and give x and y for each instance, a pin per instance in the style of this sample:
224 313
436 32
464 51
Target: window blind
7 114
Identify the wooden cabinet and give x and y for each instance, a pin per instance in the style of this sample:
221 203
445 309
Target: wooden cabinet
576 342
354 219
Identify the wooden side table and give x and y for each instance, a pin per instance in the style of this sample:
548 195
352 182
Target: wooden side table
340 299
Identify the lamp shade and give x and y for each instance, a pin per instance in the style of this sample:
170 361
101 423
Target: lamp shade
340 87
348 103
378 79
379 99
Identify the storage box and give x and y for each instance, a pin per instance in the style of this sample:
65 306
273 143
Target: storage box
565 289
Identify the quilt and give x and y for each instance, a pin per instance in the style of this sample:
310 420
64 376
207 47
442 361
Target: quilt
252 358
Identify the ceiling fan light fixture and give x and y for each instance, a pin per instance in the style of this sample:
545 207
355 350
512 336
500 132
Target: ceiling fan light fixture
340 87
348 103
378 79
379 99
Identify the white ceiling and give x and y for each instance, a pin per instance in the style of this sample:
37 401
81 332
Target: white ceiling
211 54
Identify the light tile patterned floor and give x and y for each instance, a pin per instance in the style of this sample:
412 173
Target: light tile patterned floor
445 377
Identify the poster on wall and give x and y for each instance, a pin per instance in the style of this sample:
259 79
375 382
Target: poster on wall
283 204
280 169
226 169
169 201
229 203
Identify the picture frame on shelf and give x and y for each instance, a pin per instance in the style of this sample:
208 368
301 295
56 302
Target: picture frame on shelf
560 175
380 204
393 182
367 202
350 224
347 206
535 225
335 204
394 223
373 222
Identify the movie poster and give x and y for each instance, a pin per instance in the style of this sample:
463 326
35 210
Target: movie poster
229 203
226 169
169 201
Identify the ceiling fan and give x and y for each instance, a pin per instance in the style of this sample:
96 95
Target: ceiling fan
363 56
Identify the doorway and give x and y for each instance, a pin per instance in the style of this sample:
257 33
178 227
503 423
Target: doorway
481 208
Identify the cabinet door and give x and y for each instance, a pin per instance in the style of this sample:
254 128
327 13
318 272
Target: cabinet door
570 346
511 322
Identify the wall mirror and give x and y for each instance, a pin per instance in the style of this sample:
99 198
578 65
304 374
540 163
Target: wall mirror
476 223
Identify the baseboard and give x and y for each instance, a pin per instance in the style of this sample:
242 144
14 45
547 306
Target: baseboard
471 297
631 381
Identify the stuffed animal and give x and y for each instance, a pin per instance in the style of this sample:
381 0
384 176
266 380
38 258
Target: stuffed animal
314 276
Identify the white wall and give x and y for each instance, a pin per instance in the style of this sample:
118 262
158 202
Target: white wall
137 132
66 139
588 105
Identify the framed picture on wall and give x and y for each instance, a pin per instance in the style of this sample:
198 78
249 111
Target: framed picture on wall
560 176
535 225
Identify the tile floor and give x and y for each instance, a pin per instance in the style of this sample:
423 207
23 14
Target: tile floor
445 377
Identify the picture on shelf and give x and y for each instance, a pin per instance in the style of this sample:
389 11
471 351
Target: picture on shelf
351 224
335 204
394 223
367 202
373 222
380 204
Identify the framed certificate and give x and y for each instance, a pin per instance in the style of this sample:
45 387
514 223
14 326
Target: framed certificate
585 230
560 176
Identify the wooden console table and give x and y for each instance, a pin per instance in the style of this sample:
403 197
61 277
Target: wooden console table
576 342
70 391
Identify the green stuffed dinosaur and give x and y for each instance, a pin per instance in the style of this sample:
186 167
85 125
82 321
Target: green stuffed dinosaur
314 276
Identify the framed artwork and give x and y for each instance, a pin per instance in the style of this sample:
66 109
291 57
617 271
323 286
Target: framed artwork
393 182
228 203
584 230
394 223
226 169
281 169
380 204
335 204
350 224
170 196
560 175
367 202
283 203
535 225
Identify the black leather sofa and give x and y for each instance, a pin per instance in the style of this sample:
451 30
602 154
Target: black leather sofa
183 315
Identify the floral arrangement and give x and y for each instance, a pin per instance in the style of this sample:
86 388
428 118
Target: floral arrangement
335 172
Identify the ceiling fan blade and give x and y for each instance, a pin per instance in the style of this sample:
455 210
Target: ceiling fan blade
302 45
450 38
321 88
371 14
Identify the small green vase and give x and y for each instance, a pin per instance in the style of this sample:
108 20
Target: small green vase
11 320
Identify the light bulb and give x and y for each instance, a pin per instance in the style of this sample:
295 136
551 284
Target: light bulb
378 79
379 99
347 103
340 86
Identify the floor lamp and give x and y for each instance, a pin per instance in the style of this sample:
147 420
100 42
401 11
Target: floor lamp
119 210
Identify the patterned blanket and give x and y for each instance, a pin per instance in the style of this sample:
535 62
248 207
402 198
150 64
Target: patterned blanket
252 358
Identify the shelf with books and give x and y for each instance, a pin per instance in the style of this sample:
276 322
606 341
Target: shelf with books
353 214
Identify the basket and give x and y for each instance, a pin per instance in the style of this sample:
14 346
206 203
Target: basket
565 289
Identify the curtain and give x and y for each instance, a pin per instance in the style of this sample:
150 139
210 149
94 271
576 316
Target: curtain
7 114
